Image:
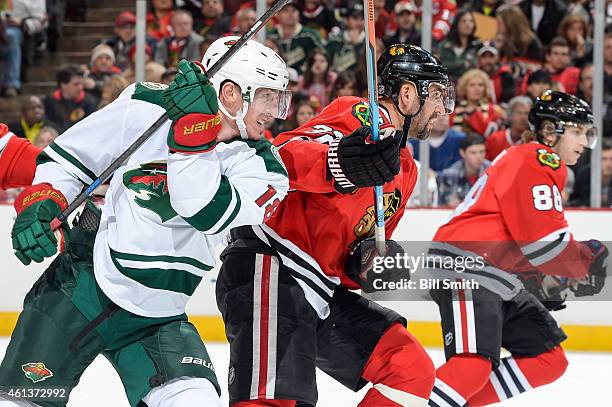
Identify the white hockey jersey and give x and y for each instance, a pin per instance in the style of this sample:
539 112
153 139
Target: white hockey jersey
163 213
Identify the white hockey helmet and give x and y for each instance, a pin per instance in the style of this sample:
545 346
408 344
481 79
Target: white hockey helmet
254 66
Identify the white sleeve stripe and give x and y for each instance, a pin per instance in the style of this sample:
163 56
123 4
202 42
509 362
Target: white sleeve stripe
542 242
5 139
161 265
549 251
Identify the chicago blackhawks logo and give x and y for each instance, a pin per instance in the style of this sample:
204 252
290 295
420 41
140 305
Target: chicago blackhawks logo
365 226
362 112
548 158
37 372
150 185
397 50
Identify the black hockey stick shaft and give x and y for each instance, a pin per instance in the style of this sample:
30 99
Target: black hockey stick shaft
263 20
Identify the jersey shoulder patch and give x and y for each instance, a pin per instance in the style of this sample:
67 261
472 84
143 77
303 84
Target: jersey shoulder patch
548 158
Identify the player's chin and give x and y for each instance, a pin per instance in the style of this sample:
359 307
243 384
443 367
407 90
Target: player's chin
255 133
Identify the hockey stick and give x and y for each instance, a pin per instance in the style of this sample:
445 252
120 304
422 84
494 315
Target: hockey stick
370 32
263 20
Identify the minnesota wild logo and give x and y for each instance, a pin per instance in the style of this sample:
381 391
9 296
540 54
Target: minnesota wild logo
37 371
549 158
150 186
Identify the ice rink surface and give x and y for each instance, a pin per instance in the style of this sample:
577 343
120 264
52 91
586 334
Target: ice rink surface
586 383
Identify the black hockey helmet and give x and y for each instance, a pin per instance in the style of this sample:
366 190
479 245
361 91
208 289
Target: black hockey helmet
560 109
401 63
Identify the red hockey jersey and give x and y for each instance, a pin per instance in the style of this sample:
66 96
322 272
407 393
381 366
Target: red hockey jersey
17 160
321 222
513 216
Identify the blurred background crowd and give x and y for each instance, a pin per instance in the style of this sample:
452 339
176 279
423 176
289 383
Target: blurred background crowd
500 54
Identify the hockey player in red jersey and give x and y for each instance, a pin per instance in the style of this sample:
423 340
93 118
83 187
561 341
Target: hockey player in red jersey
17 160
283 288
513 220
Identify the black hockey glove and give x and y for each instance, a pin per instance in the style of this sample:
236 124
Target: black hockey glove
548 289
355 161
364 266
595 279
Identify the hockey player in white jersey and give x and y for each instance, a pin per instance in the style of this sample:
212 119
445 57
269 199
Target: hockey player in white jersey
200 174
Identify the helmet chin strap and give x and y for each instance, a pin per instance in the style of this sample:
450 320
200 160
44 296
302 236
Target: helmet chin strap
239 118
407 119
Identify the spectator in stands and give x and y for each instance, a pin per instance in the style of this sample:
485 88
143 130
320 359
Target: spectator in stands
347 48
185 43
125 38
245 18
212 19
158 20
68 103
406 32
443 14
574 29
486 7
345 85
153 70
458 50
294 40
608 66
514 38
455 181
318 79
444 145
384 21
21 19
45 137
518 112
112 89
32 119
537 83
317 16
304 111
585 88
544 17
581 195
168 76
558 63
475 113
56 11
503 85
102 69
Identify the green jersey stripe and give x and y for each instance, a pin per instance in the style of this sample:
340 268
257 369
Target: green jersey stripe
233 215
178 281
74 161
168 259
211 214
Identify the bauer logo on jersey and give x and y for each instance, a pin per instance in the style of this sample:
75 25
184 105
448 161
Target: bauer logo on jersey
365 226
548 158
362 112
150 186
37 371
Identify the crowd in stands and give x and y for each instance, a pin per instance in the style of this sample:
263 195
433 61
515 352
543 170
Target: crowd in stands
501 55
